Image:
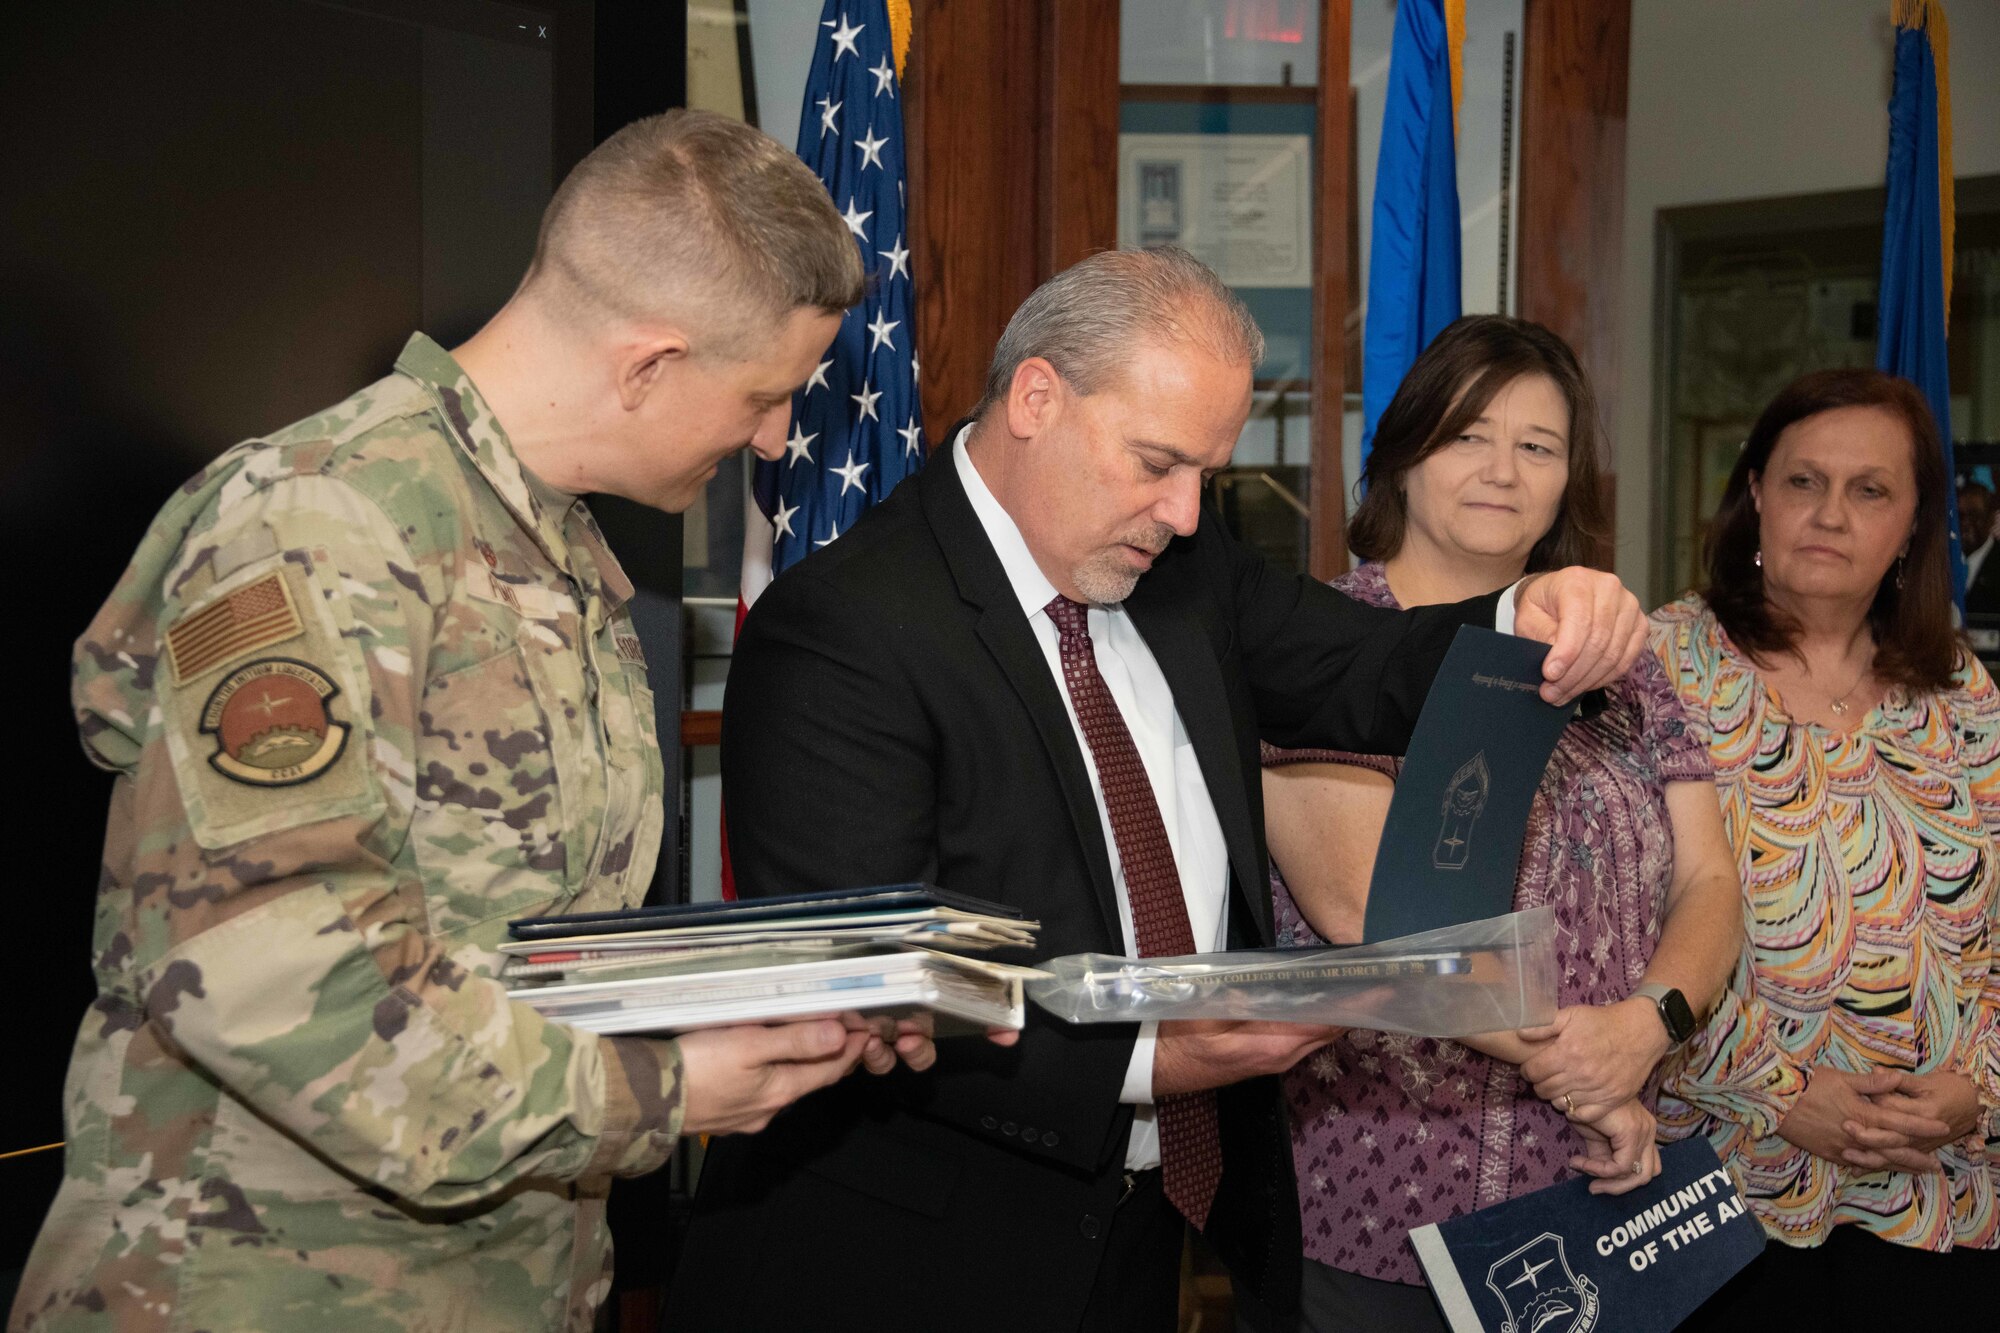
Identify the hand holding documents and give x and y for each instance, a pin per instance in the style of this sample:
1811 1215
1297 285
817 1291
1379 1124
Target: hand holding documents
1445 957
1482 976
1594 627
673 969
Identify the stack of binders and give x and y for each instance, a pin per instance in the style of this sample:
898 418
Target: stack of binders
896 951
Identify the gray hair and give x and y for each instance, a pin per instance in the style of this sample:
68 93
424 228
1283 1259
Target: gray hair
696 217
1087 319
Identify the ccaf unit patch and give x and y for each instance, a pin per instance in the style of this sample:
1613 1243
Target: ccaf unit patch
273 724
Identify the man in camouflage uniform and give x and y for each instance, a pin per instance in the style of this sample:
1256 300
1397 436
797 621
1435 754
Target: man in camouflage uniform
371 690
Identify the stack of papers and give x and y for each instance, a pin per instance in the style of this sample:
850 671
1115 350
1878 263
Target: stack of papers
672 969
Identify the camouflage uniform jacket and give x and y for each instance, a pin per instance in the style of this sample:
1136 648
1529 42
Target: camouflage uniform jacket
370 690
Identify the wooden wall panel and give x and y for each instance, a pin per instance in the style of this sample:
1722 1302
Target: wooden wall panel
1011 112
973 102
1081 148
1332 190
1575 68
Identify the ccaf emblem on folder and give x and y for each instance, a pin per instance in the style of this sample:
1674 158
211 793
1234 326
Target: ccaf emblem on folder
1538 1300
1464 802
1564 1260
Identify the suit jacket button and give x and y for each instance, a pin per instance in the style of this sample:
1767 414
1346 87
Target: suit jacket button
1049 1138
988 1122
1088 1226
1008 1129
1028 1135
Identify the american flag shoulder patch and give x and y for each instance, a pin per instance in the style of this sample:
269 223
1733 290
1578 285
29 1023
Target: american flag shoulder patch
255 616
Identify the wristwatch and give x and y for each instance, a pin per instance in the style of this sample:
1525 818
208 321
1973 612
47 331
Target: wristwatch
1673 1008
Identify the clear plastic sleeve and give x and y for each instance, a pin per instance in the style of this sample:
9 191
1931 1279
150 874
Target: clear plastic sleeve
1482 976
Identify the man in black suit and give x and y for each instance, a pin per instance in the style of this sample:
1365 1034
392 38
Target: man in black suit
1038 674
1975 537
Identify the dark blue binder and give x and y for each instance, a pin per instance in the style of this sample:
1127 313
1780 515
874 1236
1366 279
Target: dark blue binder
1452 841
1564 1260
774 911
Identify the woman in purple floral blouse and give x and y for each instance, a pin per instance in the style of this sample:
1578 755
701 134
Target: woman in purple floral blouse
1485 469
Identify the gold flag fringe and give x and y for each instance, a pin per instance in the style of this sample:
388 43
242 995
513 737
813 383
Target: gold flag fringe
1454 31
899 33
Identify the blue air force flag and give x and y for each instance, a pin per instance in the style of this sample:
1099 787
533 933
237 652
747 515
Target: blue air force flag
1917 226
1413 250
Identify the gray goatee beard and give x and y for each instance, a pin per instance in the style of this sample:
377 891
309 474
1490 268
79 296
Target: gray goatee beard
1105 579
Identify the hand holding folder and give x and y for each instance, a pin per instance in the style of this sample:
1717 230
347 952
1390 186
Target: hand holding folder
895 953
1444 955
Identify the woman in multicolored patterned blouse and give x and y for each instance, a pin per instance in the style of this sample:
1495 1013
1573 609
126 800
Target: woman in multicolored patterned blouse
1856 746
1485 468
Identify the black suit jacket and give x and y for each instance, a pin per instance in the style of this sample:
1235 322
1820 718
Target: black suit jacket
890 717
1982 594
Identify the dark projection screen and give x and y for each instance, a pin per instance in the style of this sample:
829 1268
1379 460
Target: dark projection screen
249 203
216 216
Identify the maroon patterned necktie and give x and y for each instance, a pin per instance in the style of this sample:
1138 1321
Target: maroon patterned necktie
1190 1129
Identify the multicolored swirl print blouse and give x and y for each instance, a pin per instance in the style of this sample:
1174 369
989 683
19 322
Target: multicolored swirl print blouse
1869 880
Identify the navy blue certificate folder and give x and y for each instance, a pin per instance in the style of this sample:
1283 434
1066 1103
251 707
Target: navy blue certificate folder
1564 1260
775 911
1452 841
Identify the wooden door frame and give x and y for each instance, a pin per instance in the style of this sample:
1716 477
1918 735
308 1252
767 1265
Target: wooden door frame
1011 117
1011 111
1575 67
1333 183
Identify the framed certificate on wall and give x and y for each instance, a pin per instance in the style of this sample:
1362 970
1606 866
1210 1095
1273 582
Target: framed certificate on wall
1240 203
1227 174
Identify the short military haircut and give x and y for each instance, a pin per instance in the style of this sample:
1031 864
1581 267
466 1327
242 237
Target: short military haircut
698 218
1087 320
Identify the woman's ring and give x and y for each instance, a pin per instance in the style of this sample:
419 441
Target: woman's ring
1638 1168
1569 1104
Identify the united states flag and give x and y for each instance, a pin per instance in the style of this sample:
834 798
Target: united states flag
857 427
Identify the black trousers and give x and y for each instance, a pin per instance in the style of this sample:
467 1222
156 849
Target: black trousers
1332 1300
1854 1281
1138 1287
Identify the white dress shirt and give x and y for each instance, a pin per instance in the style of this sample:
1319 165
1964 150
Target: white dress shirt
1132 674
